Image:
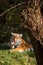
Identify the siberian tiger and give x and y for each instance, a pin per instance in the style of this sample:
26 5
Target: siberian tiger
19 44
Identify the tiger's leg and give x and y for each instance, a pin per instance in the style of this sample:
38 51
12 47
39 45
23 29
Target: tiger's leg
19 49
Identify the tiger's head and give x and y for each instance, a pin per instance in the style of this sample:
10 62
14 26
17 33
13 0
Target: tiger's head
16 40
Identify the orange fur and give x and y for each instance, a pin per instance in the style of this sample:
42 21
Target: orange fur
22 46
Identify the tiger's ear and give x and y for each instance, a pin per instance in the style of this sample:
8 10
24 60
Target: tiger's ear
13 34
21 35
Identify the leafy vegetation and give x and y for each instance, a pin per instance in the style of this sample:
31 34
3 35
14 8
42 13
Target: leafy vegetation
10 21
16 58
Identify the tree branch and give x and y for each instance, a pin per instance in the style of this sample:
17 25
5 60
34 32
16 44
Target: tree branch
12 8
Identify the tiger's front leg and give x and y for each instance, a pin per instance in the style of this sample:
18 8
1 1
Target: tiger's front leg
19 49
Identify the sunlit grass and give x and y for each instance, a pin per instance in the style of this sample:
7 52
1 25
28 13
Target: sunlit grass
16 58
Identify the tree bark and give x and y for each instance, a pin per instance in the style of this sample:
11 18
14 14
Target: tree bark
38 48
34 26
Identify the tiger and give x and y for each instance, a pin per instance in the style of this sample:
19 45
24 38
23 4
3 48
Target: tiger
19 44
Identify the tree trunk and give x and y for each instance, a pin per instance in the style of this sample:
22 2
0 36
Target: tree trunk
38 48
34 26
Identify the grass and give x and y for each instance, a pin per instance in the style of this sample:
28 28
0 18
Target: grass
16 58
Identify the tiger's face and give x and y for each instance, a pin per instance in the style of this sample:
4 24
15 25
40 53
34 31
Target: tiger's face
16 39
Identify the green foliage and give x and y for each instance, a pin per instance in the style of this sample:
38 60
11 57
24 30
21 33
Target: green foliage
16 58
10 21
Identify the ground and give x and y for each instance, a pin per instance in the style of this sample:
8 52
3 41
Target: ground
16 58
